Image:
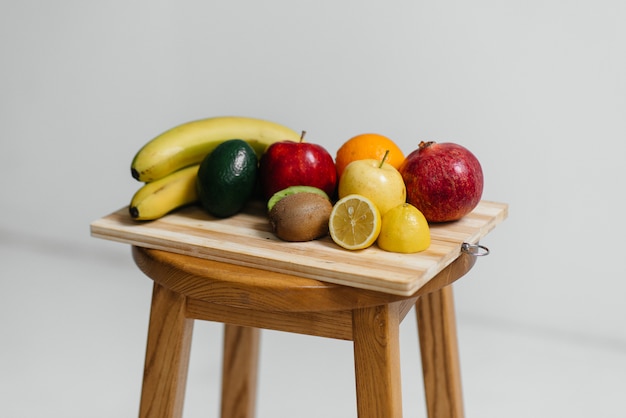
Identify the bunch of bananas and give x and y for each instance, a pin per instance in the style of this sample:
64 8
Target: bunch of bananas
168 164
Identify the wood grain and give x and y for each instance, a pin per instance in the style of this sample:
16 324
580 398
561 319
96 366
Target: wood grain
440 357
377 361
246 240
167 356
239 371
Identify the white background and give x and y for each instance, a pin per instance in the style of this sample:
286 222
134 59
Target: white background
536 89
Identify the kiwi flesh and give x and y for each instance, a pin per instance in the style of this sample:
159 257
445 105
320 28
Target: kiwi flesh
300 217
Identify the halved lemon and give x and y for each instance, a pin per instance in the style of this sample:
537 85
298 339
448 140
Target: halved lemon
354 222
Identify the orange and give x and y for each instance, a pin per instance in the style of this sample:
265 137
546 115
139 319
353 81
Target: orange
366 146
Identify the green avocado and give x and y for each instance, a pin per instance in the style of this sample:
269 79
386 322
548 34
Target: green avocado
227 178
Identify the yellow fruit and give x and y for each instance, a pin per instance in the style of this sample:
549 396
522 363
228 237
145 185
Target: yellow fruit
376 180
354 222
404 230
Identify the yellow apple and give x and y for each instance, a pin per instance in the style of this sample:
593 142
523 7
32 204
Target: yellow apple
380 182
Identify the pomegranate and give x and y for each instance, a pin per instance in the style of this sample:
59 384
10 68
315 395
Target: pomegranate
443 180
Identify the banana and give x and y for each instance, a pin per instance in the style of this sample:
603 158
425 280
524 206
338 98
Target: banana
157 198
189 143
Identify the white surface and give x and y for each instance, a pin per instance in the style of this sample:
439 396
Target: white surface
535 89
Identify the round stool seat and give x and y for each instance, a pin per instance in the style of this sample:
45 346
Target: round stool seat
250 288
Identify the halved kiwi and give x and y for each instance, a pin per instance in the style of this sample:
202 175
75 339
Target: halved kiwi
293 190
301 217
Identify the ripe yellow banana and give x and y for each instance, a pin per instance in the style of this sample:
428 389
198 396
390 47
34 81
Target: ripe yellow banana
190 142
159 197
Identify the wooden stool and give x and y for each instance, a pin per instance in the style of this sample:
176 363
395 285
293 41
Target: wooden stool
247 299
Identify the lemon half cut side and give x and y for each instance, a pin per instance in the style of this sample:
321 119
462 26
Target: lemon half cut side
354 222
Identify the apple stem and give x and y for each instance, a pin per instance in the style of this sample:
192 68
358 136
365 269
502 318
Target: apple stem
384 159
302 136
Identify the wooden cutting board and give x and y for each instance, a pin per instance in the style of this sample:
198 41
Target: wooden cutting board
246 239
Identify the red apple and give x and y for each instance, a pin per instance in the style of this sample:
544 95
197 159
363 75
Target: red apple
443 180
289 163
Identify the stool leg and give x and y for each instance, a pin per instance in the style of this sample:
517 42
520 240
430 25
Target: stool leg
167 356
440 356
239 371
377 361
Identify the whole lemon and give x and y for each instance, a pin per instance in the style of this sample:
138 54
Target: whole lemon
404 229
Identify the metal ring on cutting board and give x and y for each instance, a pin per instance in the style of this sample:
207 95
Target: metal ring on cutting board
476 250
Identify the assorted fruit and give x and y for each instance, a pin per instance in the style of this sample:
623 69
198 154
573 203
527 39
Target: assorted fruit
188 144
370 193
